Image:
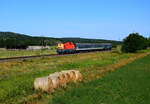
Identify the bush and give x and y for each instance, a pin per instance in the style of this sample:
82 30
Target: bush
134 42
149 41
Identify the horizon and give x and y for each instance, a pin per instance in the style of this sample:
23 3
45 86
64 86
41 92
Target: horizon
59 37
109 20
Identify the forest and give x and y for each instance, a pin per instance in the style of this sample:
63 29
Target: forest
12 40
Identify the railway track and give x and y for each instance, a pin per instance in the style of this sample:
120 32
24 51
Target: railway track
37 56
25 57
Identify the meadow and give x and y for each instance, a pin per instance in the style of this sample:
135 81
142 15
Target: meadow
16 78
18 53
126 85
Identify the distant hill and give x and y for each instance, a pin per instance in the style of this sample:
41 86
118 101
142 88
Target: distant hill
84 40
16 40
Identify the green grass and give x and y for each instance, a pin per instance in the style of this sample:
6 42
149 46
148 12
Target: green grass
129 84
143 51
17 53
16 78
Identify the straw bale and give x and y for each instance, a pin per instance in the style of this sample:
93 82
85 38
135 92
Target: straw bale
75 75
67 75
55 80
43 83
62 79
78 76
72 75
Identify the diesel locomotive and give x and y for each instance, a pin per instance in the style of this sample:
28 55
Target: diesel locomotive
70 47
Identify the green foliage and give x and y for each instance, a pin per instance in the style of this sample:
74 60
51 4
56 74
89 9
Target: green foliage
144 51
127 85
15 40
117 49
149 41
82 40
134 42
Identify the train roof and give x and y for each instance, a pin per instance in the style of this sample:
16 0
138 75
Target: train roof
93 43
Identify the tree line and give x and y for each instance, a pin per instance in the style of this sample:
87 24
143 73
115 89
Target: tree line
12 40
21 41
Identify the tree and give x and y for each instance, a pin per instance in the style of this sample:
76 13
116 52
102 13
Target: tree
134 42
149 41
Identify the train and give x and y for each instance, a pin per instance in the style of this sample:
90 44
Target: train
70 47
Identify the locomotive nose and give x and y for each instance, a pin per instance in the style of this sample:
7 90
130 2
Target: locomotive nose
60 46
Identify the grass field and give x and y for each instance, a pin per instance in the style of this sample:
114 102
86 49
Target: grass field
16 78
17 53
129 84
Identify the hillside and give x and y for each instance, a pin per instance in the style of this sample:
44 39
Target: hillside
84 40
16 40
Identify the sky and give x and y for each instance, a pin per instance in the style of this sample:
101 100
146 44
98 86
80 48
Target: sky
100 19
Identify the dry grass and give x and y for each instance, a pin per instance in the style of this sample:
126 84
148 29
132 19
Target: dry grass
98 72
93 73
126 85
18 53
91 65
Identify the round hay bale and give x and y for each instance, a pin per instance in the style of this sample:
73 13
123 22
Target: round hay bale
62 79
51 86
67 76
78 76
75 75
72 75
43 83
55 80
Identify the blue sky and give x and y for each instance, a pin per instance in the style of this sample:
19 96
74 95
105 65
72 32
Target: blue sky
103 19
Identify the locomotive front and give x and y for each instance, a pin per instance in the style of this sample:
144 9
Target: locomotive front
66 48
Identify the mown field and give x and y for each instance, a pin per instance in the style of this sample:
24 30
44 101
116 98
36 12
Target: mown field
129 84
16 78
18 53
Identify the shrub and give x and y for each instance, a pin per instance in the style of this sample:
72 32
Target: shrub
149 41
134 42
